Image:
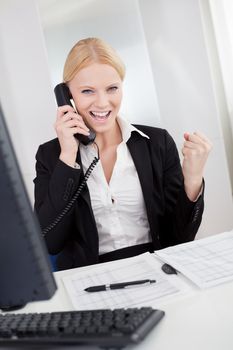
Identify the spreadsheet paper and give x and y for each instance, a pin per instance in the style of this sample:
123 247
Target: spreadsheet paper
143 266
206 262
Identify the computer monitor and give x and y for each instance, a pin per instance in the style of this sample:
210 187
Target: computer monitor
25 270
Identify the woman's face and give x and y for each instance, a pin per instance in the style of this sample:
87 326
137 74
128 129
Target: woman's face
97 94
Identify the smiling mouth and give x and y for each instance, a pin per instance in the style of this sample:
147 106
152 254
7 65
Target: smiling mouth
100 115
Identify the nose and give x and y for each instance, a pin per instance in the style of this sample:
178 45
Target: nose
101 100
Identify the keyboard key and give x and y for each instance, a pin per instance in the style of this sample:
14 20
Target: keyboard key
107 328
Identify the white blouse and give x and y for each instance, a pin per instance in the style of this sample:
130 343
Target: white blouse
118 207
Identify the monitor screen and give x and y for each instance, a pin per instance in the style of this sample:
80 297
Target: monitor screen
25 270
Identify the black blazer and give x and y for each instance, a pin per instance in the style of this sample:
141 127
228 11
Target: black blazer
172 217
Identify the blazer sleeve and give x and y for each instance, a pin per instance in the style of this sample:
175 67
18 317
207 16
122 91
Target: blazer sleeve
55 184
182 217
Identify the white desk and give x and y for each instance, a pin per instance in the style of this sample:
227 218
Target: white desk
201 320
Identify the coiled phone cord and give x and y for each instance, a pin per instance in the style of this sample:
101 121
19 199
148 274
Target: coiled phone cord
74 198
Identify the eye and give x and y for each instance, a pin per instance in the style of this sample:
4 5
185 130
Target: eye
87 91
113 88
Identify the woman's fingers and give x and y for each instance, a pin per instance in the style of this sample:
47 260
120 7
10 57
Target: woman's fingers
78 125
197 137
195 150
62 110
70 120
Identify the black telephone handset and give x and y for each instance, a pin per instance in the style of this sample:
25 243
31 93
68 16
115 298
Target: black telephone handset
63 97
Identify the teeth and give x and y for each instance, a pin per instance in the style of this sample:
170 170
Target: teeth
100 114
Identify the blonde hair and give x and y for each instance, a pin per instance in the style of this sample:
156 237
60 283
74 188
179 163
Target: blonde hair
88 51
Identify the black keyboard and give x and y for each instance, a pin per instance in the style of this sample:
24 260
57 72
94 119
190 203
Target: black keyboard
107 328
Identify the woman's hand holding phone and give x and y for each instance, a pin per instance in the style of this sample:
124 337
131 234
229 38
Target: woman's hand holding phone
69 123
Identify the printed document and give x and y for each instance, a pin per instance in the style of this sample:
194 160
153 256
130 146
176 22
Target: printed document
207 261
143 266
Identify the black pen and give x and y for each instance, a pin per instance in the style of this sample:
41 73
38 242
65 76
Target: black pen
117 285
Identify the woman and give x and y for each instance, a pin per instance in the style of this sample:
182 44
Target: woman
138 197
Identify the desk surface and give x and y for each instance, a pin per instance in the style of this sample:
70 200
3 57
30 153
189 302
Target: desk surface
201 319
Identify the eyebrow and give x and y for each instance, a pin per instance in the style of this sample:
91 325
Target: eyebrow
91 87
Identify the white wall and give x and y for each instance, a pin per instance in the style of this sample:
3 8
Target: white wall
182 73
25 88
221 16
117 22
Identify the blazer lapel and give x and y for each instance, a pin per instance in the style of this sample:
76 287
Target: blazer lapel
138 148
85 192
